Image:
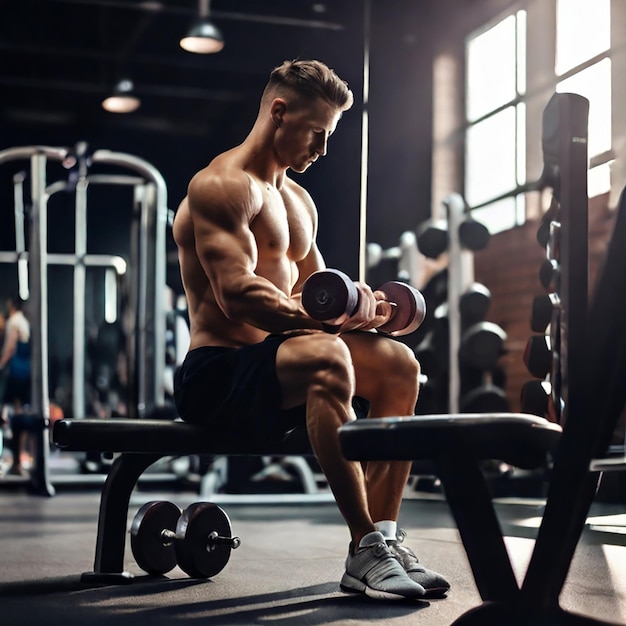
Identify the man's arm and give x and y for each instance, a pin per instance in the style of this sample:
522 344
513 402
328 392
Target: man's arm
373 310
222 209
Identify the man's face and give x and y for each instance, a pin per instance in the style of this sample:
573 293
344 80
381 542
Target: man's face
303 134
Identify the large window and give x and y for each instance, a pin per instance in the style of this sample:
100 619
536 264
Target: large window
496 134
583 66
567 44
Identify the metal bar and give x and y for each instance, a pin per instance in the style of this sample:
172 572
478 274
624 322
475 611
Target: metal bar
118 263
113 516
80 279
114 179
26 152
20 237
110 296
39 291
364 142
460 276
40 403
141 366
239 16
155 361
470 502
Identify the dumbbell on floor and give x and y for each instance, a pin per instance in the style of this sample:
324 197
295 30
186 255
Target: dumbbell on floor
198 540
328 294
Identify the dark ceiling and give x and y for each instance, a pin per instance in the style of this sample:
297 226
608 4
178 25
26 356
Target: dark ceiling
60 59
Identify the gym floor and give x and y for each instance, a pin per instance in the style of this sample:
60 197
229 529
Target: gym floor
285 572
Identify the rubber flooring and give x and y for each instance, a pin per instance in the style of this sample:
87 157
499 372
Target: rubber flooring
285 572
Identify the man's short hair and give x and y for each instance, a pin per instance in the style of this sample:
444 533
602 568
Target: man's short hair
310 80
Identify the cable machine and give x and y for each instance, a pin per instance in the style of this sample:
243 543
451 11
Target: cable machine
143 318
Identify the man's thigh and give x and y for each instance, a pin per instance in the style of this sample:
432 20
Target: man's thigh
380 360
301 357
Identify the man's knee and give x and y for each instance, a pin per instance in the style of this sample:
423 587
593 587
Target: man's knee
320 361
331 360
408 362
396 359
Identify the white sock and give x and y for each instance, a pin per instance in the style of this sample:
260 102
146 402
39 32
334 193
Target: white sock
388 528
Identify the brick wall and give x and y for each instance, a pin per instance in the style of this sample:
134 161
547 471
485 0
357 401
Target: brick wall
509 267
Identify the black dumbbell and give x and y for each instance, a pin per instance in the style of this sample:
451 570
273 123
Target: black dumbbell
538 355
328 294
199 540
543 311
550 275
535 397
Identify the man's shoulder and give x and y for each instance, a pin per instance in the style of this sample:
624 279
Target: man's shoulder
224 186
221 180
220 172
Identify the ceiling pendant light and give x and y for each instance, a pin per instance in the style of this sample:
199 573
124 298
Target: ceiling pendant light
204 37
122 100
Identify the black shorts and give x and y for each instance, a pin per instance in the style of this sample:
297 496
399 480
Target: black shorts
237 390
16 390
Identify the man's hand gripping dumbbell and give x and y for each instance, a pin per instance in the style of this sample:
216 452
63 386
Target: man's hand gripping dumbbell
331 297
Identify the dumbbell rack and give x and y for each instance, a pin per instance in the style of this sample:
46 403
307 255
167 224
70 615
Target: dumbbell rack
564 232
578 358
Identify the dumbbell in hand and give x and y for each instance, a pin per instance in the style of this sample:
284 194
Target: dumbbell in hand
328 294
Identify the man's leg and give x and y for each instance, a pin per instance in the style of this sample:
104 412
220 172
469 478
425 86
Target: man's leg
316 370
387 374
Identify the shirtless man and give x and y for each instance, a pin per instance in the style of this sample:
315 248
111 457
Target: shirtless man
257 363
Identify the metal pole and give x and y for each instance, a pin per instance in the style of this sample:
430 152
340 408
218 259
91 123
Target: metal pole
20 237
39 288
460 276
40 404
80 279
153 363
364 141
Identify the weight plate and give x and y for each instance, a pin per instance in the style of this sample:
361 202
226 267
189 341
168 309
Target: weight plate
327 294
196 557
410 310
154 553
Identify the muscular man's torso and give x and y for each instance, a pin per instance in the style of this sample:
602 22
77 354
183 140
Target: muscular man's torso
283 230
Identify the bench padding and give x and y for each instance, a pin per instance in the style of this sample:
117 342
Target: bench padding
518 439
166 437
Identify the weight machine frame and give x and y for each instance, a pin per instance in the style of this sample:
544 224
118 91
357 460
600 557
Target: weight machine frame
145 329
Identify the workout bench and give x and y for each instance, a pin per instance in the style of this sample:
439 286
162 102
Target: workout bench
456 442
141 443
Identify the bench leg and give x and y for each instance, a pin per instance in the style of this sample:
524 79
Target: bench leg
471 505
113 518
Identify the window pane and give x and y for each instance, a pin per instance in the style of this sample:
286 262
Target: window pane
490 168
583 29
599 180
491 78
521 143
521 51
499 216
594 83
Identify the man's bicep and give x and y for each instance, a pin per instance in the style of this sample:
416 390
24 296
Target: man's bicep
224 249
311 263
